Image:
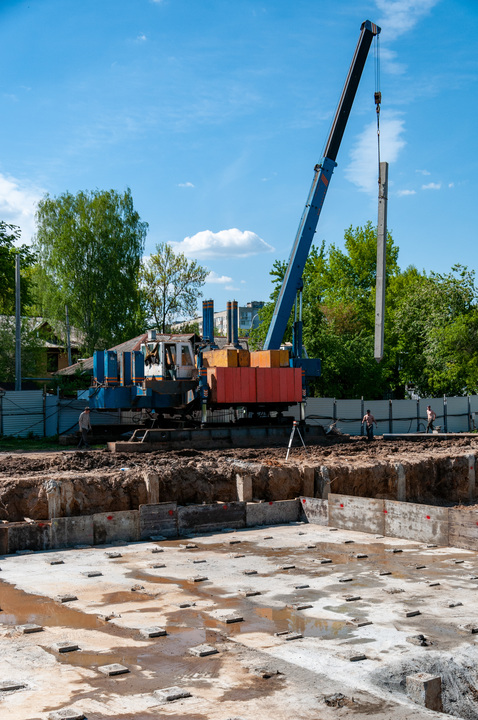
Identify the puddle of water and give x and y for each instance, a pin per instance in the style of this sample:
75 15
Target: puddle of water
281 619
20 608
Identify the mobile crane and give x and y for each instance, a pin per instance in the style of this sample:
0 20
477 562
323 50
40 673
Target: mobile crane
291 289
161 374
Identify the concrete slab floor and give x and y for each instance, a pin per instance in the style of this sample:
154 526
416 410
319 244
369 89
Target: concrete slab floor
347 657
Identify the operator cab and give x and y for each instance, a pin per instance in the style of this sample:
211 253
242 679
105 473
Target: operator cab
168 359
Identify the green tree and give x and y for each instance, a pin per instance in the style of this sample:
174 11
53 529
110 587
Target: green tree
89 249
339 313
436 332
171 285
9 236
31 348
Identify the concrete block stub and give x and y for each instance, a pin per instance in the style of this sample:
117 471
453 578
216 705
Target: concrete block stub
171 693
66 714
244 487
151 480
425 690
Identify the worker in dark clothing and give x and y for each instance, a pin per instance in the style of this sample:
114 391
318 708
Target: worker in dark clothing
369 420
430 417
85 425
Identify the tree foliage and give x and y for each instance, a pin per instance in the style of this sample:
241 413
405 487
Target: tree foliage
431 323
171 285
9 236
89 249
31 349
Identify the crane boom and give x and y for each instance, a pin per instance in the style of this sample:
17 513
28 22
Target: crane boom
292 282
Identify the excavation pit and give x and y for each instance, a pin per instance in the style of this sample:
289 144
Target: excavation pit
296 619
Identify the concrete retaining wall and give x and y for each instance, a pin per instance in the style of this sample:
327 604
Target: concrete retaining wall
122 526
71 531
423 523
357 513
314 510
209 518
278 512
426 523
463 528
158 519
28 536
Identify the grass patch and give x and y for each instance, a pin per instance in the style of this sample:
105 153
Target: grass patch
9 442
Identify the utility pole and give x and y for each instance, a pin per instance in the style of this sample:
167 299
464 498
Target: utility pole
18 338
68 344
381 261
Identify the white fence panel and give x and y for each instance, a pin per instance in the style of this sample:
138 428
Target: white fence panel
474 411
436 405
457 414
404 416
319 411
22 413
349 416
51 415
380 410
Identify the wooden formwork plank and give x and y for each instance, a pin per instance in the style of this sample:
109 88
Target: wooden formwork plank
463 528
426 523
356 513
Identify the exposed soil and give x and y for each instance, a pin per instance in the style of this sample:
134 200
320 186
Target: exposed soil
92 481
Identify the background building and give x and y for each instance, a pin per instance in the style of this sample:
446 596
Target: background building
247 318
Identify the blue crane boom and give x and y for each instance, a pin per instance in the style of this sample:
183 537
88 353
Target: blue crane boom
292 282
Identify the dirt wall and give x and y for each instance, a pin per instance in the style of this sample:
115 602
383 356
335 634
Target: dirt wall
87 483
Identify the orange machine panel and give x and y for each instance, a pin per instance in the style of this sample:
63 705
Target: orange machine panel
232 386
279 385
220 358
270 358
243 358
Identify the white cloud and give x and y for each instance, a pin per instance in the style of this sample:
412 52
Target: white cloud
363 168
389 63
218 279
141 37
452 184
18 202
231 287
432 186
186 185
400 16
402 193
225 243
423 172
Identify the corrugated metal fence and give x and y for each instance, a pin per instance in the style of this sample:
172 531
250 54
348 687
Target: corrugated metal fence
454 414
31 412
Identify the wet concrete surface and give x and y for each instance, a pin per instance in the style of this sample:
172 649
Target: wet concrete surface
301 673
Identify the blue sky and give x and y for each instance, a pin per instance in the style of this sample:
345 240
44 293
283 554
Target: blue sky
214 113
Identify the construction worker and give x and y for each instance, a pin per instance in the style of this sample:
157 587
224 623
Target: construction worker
369 420
430 417
85 425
